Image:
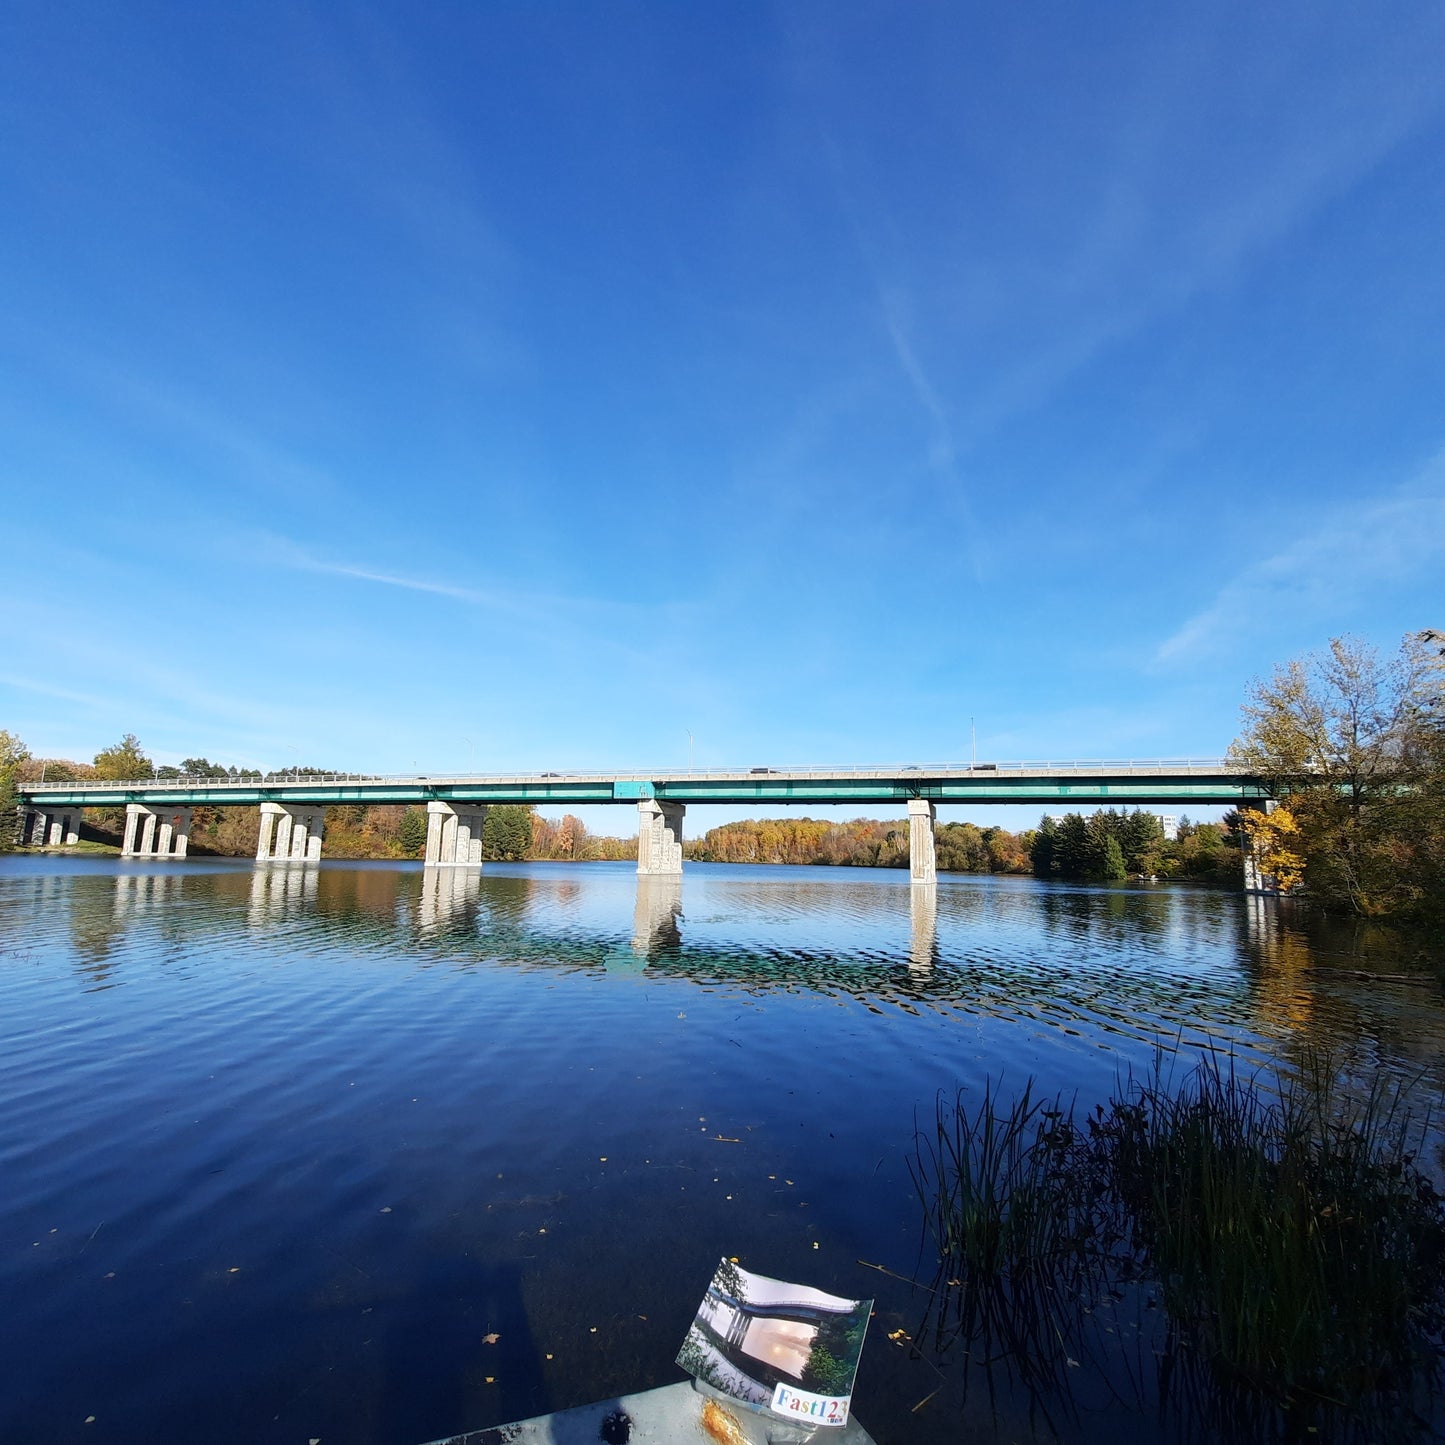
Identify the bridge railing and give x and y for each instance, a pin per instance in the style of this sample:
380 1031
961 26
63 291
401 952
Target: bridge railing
810 770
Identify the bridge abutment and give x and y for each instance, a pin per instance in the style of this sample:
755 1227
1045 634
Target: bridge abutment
290 833
454 835
922 862
659 838
159 831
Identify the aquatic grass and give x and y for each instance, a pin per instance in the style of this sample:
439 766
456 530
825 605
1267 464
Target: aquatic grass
1297 1250
1010 1192
1288 1228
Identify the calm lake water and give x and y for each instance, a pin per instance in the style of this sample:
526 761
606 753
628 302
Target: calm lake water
282 1149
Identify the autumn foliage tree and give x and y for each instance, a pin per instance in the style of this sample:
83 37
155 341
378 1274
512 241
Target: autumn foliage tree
1353 744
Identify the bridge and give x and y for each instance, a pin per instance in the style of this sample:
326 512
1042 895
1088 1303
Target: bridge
158 810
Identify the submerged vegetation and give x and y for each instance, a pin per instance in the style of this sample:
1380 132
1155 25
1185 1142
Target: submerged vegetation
1281 1254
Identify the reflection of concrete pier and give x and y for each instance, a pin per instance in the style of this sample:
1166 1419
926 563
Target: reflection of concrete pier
276 891
141 892
923 927
446 893
656 914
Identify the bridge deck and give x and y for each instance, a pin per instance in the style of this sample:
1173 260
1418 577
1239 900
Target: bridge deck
1091 784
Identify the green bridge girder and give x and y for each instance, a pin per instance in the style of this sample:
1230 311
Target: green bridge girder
1076 785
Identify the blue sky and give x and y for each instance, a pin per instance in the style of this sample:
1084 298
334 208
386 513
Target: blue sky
495 386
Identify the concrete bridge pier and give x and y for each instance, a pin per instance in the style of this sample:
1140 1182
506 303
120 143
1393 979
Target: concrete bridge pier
1256 880
922 818
156 831
454 834
659 837
290 834
55 830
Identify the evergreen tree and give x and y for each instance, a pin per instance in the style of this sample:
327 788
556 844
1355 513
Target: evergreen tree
204 768
1140 837
1073 849
1041 851
507 832
411 833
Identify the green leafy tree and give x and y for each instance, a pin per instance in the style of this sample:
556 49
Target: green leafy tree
123 761
507 832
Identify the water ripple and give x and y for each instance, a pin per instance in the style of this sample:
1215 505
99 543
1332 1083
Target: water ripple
279 1146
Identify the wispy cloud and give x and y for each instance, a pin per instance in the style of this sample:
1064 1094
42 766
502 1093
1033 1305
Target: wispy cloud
45 689
512 601
1327 573
389 579
942 455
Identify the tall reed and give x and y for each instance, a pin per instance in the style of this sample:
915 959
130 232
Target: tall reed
1297 1249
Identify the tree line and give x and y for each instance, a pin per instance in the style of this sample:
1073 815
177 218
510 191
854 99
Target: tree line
1110 845
859 843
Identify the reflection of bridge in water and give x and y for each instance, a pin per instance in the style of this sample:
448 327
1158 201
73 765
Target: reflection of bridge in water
1140 962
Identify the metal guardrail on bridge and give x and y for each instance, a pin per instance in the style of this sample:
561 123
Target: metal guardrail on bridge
812 770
